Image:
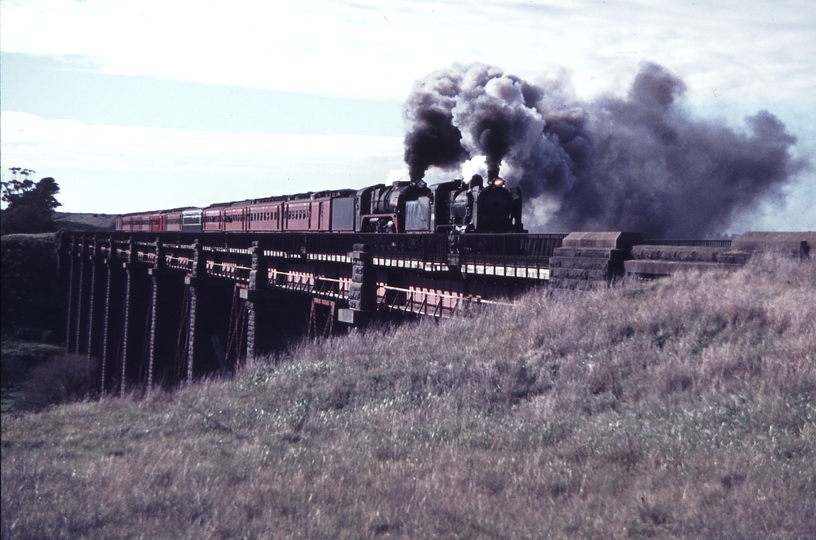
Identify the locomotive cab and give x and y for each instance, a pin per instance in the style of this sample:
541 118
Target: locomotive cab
400 207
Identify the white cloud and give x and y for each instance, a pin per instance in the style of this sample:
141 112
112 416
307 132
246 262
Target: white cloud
119 169
743 50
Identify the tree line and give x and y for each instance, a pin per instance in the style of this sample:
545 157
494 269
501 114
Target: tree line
30 204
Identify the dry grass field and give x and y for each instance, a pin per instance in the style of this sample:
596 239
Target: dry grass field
683 408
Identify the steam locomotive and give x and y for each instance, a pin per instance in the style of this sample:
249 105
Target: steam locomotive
404 207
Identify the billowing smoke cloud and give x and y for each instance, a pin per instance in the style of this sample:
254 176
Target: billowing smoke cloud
639 163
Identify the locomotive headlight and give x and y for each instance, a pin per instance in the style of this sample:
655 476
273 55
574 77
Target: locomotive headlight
498 182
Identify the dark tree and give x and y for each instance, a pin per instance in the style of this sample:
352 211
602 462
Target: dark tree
30 204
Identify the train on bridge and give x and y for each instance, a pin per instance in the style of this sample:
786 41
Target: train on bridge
456 206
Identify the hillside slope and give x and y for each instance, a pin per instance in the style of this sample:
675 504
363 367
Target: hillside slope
69 221
681 408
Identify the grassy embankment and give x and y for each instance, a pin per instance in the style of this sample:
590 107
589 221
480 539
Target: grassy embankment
681 408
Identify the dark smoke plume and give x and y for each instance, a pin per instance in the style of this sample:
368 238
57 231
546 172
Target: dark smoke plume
639 163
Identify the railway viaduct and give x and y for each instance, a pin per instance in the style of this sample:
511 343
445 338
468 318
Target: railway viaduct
163 308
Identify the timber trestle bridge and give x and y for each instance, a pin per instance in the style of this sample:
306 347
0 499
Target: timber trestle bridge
162 308
152 308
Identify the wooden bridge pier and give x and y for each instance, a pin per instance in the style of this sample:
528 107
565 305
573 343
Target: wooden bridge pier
96 302
138 296
167 313
362 296
83 301
211 299
113 317
73 264
255 295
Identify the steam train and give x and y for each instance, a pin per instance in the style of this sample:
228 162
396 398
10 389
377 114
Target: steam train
456 206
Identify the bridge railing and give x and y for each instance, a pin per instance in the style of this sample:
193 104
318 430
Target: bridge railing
507 249
530 250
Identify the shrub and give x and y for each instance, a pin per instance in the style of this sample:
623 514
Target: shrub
62 379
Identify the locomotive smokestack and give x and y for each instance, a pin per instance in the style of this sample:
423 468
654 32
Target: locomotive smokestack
492 174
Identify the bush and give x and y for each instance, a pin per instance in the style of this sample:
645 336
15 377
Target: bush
62 379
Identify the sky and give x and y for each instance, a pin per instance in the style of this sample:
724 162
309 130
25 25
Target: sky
141 105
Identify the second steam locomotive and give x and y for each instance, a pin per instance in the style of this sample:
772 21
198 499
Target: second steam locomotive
456 206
